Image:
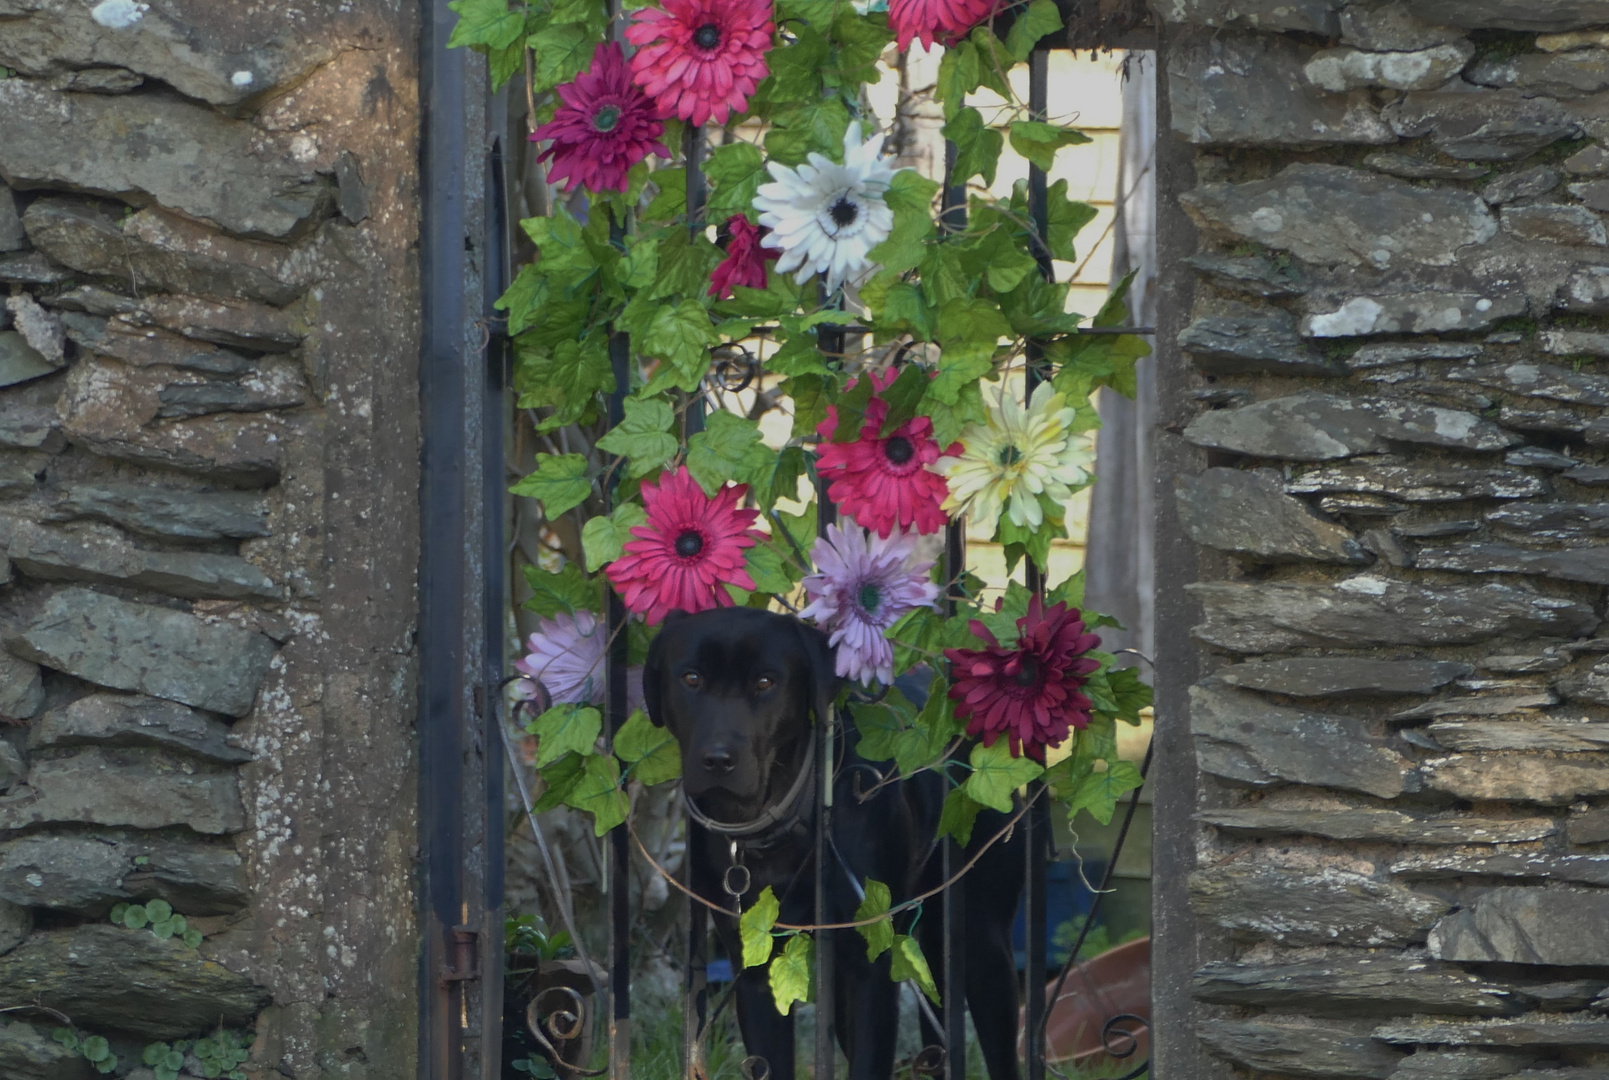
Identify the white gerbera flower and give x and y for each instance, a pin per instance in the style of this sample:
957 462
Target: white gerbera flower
825 217
1018 455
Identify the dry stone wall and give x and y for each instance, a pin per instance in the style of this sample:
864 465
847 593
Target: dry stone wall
208 512
1397 367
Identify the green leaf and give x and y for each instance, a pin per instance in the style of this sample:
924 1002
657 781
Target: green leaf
977 146
1099 791
811 396
66 1037
791 972
910 196
1070 591
879 727
735 172
158 910
911 966
769 569
859 42
1131 694
1041 18
903 397
949 420
643 435
816 126
1038 141
1066 217
797 69
959 75
754 926
603 539
652 750
780 478
561 53
904 309
118 911
96 1049
960 813
559 780
487 23
685 265
879 935
681 335
565 728
568 591
996 775
671 200
163 929
524 299
106 1064
1024 540
598 793
943 276
192 938
135 918
729 448
560 482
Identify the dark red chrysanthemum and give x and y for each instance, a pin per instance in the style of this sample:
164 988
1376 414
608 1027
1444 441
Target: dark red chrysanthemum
884 483
604 126
690 548
1030 693
946 21
700 59
746 255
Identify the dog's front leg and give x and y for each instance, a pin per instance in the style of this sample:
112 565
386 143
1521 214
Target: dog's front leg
766 1032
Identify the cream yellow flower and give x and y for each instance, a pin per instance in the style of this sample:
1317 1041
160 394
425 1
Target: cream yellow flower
1015 457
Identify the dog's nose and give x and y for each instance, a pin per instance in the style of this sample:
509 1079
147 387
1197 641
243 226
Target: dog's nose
718 759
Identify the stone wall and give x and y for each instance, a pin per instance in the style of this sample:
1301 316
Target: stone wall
1387 428
208 523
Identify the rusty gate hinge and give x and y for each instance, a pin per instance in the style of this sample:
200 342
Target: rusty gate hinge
466 957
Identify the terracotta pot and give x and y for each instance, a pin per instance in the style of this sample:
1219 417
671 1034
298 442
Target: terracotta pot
1116 982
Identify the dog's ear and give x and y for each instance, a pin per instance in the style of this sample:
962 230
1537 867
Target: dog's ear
653 668
823 678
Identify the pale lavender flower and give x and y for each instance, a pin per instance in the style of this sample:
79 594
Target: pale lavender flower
566 656
865 584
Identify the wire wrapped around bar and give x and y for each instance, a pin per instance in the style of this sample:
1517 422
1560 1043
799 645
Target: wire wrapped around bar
563 1025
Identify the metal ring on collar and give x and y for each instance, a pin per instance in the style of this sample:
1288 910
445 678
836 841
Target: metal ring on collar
732 890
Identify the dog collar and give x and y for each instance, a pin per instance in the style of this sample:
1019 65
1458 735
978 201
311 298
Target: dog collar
778 820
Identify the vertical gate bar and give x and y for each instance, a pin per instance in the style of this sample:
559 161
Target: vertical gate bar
697 195
830 339
618 874
953 993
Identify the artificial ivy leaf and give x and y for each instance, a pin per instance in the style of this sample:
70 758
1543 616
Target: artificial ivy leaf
810 394
505 63
859 41
640 268
598 793
603 539
566 728
487 23
879 727
1099 791
1069 592
565 592
769 569
559 237
735 171
904 396
904 309
589 13
992 60
1038 141
653 751
729 448
968 332
791 972
681 335
880 934
996 775
938 717
559 780
958 76
817 126
643 435
909 965
1025 540
781 478
1065 217
565 377
852 406
559 482
671 200
1131 694
754 926
977 146
798 530
960 813
1005 260
1097 741
910 196
943 277
796 70
1042 17
949 420
685 264
524 298
561 53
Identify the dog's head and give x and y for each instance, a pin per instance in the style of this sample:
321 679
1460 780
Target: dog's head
738 688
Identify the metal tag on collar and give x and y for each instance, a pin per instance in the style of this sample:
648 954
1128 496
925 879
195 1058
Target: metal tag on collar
730 880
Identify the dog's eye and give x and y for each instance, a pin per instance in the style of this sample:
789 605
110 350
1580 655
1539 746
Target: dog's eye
691 678
764 682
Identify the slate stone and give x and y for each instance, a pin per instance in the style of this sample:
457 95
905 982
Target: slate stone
1491 703
1461 1065
100 554
276 386
1548 659
1323 427
1591 827
135 720
1558 224
21 692
1254 899
1340 70
29 1053
87 873
1391 28
1580 869
1387 826
13 769
1560 75
1217 84
136 788
1411 167
1366 985
1539 457
1571 564
1236 339
19 361
187 158
116 974
1294 1048
1412 482
157 651
166 513
1595 195
1519 777
1383 355
237 324
1333 216
1524 184
1555 16
12 237
1431 312
1313 16
31 268
147 346
1257 275
1592 160
1590 686
1437 528
1369 612
1481 125
1241 737
1589 475
1248 512
1554 382
15 924
1574 342
157 252
30 427
1329 676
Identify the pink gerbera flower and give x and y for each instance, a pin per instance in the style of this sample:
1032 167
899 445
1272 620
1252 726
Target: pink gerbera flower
884 483
865 584
746 255
691 547
566 658
946 21
604 126
701 58
1029 693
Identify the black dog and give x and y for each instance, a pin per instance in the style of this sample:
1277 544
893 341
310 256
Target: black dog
738 687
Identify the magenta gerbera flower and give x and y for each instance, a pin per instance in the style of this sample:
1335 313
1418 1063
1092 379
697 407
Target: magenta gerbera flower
691 547
946 21
604 126
864 585
884 483
746 255
700 59
566 658
1028 693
